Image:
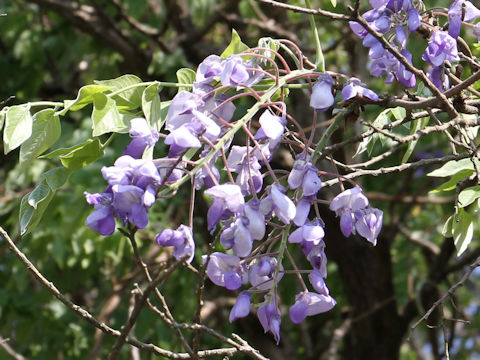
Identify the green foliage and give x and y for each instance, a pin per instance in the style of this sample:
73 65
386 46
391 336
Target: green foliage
18 127
46 131
185 76
236 46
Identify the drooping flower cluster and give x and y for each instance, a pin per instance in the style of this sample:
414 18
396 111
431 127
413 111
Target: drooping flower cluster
356 215
131 191
241 208
402 18
396 17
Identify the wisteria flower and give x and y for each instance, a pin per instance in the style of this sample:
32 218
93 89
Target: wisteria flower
460 10
279 203
181 239
225 270
322 97
309 303
102 220
241 307
270 317
345 204
142 135
369 223
354 87
305 175
442 47
228 199
234 71
261 273
238 237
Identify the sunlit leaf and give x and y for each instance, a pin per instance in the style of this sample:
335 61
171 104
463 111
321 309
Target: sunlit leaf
18 127
45 132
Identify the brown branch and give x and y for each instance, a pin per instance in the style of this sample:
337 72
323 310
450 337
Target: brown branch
449 293
4 345
102 326
89 20
398 168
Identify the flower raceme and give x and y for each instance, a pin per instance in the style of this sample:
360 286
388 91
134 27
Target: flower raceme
242 208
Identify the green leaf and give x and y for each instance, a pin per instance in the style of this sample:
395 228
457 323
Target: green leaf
105 116
452 183
236 46
334 3
462 231
417 124
453 167
18 127
468 196
30 216
83 155
399 113
61 151
131 98
84 97
186 76
45 132
38 194
57 177
447 227
151 106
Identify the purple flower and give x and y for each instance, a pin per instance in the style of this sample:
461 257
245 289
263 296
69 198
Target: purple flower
318 282
438 77
354 87
183 138
270 317
442 47
271 126
387 64
234 71
142 135
310 232
404 76
369 223
303 209
130 171
316 256
455 16
279 203
225 270
204 177
237 237
256 220
345 204
241 307
181 109
210 69
322 97
261 273
181 239
247 168
309 303
228 200
102 219
304 174
414 20
128 203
